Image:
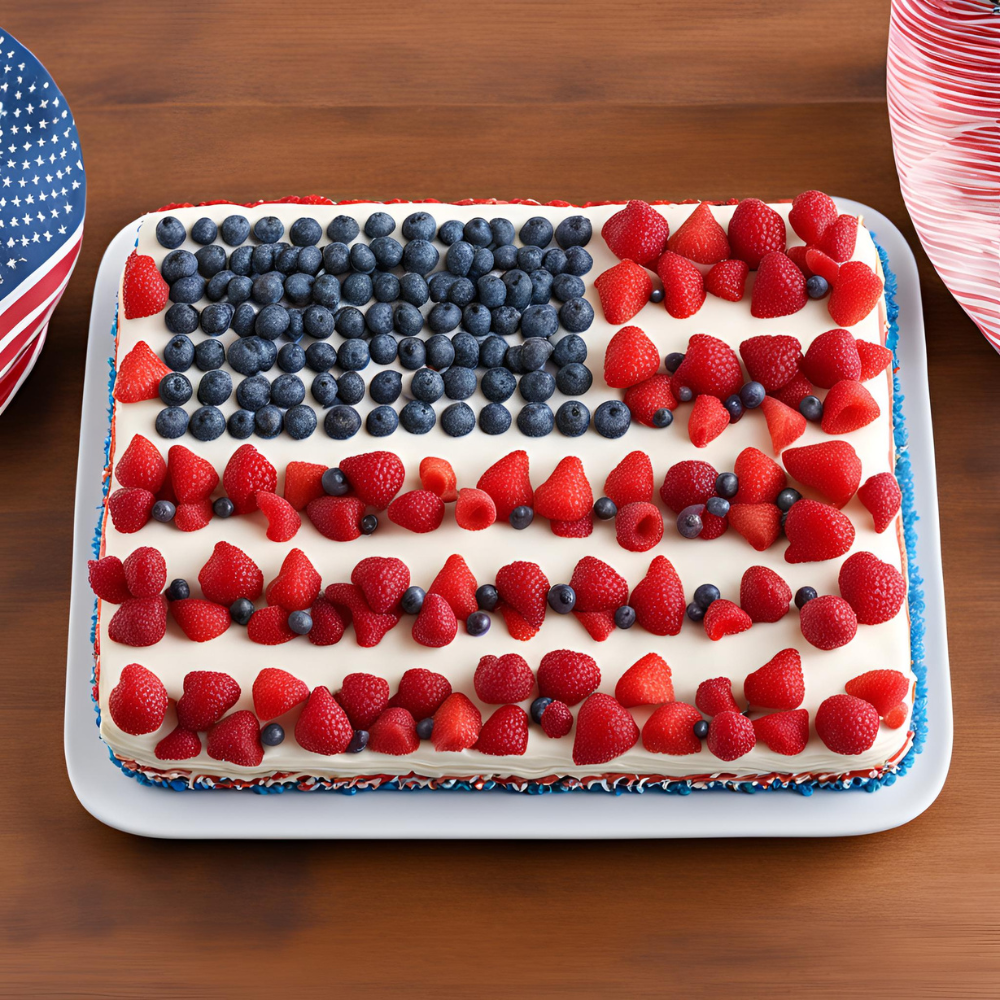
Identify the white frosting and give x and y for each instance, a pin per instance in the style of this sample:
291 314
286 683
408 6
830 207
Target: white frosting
691 655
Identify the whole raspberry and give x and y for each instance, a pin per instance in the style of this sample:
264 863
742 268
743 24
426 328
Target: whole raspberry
874 589
504 733
363 697
499 680
764 595
568 676
755 230
730 736
208 695
638 527
828 622
557 720
604 730
637 232
236 739
138 702
846 724
145 572
670 730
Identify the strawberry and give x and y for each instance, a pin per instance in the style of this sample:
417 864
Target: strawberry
394 732
599 624
631 480
772 360
777 684
816 531
107 579
230 574
140 621
797 255
568 676
246 472
683 285
193 516
518 627
623 289
884 689
566 495
598 586
630 358
828 622
819 263
832 468
832 356
323 726
848 406
846 724
524 587
758 523
383 580
658 599
897 716
730 736
297 584
144 292
502 679
236 739
637 232
436 624
780 288
710 367
419 511
504 733
854 294
456 584
700 237
725 618
145 572
688 483
507 483
764 596
784 424
475 510
727 280
646 682
129 508
811 213
839 238
338 518
874 359
874 589
369 627
882 497
785 733
192 477
670 730
639 526
275 692
141 465
437 476
645 398
557 720
708 419
200 620
457 724
328 625
269 626
794 391
604 730
208 695
138 702
303 483
179 744
375 477
755 230
364 698
421 692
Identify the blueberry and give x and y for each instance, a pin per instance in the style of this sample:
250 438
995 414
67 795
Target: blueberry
529 259
178 264
572 418
578 261
300 421
419 226
752 395
261 259
494 418
241 261
734 405
310 260
569 349
425 728
562 598
534 353
539 321
491 290
235 229
536 386
342 229
478 623
268 421
611 418
537 231
353 356
305 232
382 346
336 259
287 262
268 289
811 408
491 351
817 286
362 259
215 388
512 359
719 506
291 358
459 258
605 508
420 257
385 287
554 261
223 507
356 289
535 420
574 232
662 417
804 595
240 424
349 322
218 285
656 296
574 379
267 353
482 263
351 388
298 289
382 421
181 318
673 361
427 385
188 290
576 315
450 232
207 423
253 393
444 318
706 594
466 350
412 600
505 320
458 419
300 622
175 389
408 320
505 257
272 734
272 321
268 229
689 522
335 483
518 286
438 288
786 498
567 286
287 391
538 706
178 590
461 292
412 353
726 485
320 357
324 389
625 617
477 231
521 517
163 511
204 231
379 224
179 353
170 233
700 729
358 741
695 612
368 524
459 383
541 287
684 394
318 322
244 319
417 417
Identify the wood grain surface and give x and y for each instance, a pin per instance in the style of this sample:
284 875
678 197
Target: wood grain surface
576 100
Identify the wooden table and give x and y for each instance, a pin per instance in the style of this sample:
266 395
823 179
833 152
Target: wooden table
178 101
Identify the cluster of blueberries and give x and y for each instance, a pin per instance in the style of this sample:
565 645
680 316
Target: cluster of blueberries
489 289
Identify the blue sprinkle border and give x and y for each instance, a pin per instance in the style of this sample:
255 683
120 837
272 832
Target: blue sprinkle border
915 595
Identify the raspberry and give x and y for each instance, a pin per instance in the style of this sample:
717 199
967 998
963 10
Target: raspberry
683 285
819 263
688 483
780 288
631 480
394 732
193 516
338 518
144 292
646 682
107 579
582 528
145 572
208 695
246 472
504 733
141 466
785 733
644 399
457 724
764 595
637 232
846 724
200 620
604 730
283 519
363 697
874 589
777 684
874 359
599 624
436 624
566 495
236 739
755 230
383 580
140 621
832 468
638 527
700 237
708 419
139 375
882 497
129 509
598 586
456 584
419 511
897 716
568 676
269 627
557 720
375 477
275 692
503 679
716 695
517 626
138 702
192 477
179 744
508 484
658 599
710 367
369 626
624 289
848 406
475 510
816 531
630 357
731 735
784 424
328 626
303 483
670 730
524 587
758 523
811 213
828 622
437 475
773 360
839 238
797 255
794 391
725 618
421 692
885 689
854 294
297 584
230 574
727 280
831 357
323 726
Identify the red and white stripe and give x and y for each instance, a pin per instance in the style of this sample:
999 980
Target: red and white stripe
21 368
943 85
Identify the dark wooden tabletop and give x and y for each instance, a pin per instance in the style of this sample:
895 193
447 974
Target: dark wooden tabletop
577 100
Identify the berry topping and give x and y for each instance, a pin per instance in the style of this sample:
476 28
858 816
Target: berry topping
624 289
144 292
504 733
141 466
725 618
604 730
727 280
269 627
193 516
229 574
369 626
328 625
794 391
508 484
874 589
784 424
630 481
566 495
772 360
638 527
832 468
303 483
777 684
375 477
130 509
283 519
475 509
646 682
846 724
297 584
839 238
140 621
780 288
236 739
438 476
885 689
337 518
710 367
456 584
275 692
192 478
708 419
247 472
598 586
383 580
688 483
828 622
556 720
683 285
457 724
419 511
208 695
820 264
897 716
503 679
764 596
758 523
716 695
731 735
874 359
811 213
567 676
421 692
363 697
323 726
854 294
658 599
881 495
107 579
436 625
180 744
700 237
523 589
755 230
816 531
646 399
200 620
670 730
630 357
637 232
831 357
138 702
394 733
847 407
785 733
